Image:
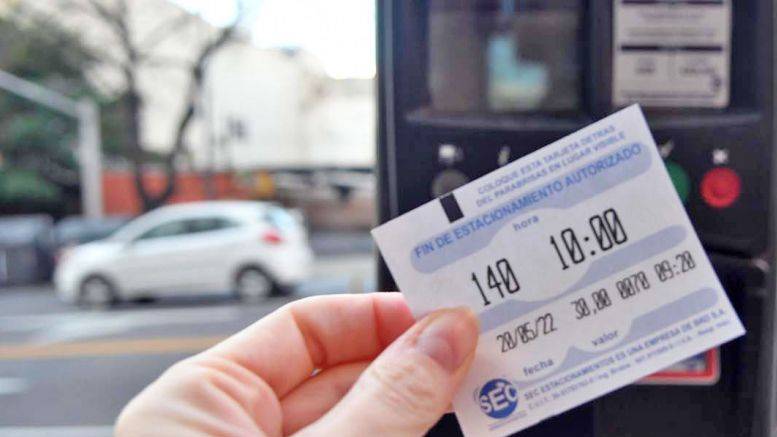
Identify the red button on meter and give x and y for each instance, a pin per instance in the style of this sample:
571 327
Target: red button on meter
721 187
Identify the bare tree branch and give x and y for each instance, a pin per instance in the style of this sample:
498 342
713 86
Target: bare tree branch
111 59
121 8
167 62
110 17
165 30
197 74
197 80
78 6
136 55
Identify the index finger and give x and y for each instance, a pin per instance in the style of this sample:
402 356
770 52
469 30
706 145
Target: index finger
287 346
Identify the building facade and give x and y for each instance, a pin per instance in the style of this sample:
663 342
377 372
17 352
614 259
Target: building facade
261 108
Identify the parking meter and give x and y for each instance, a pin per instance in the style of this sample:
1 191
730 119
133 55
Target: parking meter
466 86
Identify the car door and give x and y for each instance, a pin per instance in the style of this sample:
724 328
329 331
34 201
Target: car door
160 259
214 242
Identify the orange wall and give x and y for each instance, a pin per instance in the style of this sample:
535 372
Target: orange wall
120 197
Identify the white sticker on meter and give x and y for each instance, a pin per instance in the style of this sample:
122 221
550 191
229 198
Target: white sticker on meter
582 266
672 53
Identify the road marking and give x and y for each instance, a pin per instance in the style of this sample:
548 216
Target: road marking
11 386
148 346
143 317
58 431
108 324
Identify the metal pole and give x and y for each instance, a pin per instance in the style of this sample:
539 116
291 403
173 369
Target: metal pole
89 135
90 158
36 93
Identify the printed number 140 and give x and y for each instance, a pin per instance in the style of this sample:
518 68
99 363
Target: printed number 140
500 277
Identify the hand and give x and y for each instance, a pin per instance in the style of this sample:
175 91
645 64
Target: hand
351 365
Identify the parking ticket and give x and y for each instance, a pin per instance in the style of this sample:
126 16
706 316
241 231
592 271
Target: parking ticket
582 266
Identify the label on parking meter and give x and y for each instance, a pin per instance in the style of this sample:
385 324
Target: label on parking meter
582 266
672 53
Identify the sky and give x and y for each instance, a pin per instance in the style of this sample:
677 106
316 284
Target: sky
341 33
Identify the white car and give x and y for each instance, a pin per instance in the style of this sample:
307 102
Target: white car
249 248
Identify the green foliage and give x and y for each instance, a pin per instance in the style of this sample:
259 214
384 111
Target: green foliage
40 50
37 145
18 185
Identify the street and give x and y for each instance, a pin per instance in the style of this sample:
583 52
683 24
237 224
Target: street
68 372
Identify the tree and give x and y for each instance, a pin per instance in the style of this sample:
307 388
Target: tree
38 170
136 52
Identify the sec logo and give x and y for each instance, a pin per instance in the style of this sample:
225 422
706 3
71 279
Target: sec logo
498 398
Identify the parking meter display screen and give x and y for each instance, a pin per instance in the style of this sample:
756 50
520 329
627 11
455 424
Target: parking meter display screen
505 55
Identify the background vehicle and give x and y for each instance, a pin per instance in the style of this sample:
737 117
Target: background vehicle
24 258
249 248
75 230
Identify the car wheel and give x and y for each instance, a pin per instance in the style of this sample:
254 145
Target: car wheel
97 292
254 285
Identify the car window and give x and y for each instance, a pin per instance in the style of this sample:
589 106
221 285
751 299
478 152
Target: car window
280 219
209 224
169 229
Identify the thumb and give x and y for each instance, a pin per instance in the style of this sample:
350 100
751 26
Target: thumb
410 385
